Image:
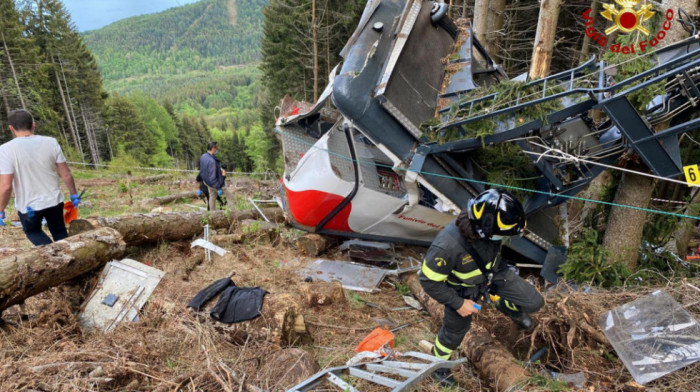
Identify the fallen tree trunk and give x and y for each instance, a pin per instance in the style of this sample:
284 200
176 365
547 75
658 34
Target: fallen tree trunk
172 198
139 229
494 362
31 272
227 239
146 180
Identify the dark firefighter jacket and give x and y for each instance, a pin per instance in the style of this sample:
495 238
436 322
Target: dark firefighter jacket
449 268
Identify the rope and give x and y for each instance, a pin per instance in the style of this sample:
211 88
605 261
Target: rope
492 184
670 201
572 158
162 169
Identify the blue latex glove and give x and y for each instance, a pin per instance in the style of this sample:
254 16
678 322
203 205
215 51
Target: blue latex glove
220 192
199 192
30 212
2 218
75 199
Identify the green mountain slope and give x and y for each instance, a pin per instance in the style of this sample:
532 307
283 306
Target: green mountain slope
202 36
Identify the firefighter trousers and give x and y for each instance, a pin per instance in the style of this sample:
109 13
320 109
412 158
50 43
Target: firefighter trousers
517 296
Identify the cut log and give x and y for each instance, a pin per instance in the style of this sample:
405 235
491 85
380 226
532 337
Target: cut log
311 245
227 240
142 229
31 272
323 294
434 308
159 201
146 180
492 360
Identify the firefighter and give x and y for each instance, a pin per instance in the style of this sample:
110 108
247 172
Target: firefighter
463 265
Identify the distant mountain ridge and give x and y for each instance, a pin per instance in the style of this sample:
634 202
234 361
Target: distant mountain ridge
201 36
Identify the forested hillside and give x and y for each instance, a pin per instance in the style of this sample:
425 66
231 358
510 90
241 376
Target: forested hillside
201 58
201 36
45 67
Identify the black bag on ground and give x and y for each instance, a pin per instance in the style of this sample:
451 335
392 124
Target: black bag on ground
238 304
210 292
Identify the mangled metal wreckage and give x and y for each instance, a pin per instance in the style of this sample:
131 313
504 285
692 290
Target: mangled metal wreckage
361 167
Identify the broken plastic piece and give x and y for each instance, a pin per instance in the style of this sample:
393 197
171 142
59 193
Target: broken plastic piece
578 379
412 302
653 336
209 246
376 340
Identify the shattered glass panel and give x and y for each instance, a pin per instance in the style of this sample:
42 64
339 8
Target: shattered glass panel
653 336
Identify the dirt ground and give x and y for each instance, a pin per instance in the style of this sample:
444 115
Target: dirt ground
44 348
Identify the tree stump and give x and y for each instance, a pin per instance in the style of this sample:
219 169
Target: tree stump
286 368
312 245
323 294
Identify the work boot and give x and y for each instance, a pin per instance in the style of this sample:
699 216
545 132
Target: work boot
521 319
444 377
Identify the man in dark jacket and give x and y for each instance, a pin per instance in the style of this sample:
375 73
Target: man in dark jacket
463 264
210 172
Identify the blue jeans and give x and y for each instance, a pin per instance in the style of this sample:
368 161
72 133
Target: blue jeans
54 219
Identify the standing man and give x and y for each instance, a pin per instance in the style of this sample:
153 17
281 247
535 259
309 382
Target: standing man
31 165
210 172
463 264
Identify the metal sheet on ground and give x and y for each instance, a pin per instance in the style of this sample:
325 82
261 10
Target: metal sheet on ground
353 276
131 282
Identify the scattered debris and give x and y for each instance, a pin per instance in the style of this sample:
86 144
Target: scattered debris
370 251
235 305
257 208
209 246
577 379
352 276
410 373
376 340
653 336
122 290
412 302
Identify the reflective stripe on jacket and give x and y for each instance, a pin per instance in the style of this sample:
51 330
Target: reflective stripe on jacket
448 260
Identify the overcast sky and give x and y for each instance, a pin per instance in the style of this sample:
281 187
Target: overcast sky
93 14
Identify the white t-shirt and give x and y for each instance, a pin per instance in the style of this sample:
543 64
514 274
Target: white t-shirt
32 160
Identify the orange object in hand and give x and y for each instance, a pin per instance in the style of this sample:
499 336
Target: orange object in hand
70 213
376 340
